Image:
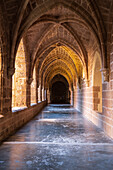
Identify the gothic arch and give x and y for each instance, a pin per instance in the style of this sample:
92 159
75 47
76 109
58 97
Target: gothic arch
19 79
87 18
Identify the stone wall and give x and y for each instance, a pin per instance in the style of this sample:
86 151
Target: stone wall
87 101
12 121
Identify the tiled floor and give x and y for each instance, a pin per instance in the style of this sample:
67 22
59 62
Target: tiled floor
57 139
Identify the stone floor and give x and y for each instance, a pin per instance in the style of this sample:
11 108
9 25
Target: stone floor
57 139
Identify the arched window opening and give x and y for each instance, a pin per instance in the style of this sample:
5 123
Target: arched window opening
33 88
19 79
97 85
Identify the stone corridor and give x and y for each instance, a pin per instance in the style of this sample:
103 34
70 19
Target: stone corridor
59 138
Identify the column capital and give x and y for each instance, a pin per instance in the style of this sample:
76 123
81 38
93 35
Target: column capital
29 80
105 72
10 71
87 82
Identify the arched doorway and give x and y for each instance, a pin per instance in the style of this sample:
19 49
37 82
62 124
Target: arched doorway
59 90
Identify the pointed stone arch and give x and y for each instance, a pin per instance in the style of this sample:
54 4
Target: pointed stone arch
93 20
19 78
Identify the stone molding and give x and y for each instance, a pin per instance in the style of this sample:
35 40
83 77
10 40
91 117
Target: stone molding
87 82
10 72
105 72
29 81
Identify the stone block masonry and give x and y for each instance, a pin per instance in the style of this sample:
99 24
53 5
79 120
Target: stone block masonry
12 121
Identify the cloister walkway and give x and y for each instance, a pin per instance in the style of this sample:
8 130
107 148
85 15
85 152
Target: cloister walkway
58 138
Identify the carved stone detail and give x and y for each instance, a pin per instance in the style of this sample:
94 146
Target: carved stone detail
105 72
10 72
29 81
87 82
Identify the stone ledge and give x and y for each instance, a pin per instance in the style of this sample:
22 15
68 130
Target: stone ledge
12 121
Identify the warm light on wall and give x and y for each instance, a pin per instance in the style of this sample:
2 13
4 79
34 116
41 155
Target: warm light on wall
19 78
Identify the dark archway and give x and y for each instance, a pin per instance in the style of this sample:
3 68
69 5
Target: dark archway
60 90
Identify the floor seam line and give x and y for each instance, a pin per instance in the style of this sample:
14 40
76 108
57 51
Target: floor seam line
50 143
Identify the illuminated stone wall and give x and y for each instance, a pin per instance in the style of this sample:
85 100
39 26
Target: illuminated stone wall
96 101
19 79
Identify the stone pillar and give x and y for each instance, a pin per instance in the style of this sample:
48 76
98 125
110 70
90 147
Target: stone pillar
105 74
1 92
6 90
39 93
43 94
28 95
28 92
72 97
1 86
36 85
48 96
36 95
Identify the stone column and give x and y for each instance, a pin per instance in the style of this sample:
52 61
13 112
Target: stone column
7 89
36 86
1 86
43 94
28 92
105 74
1 92
48 96
72 97
39 93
